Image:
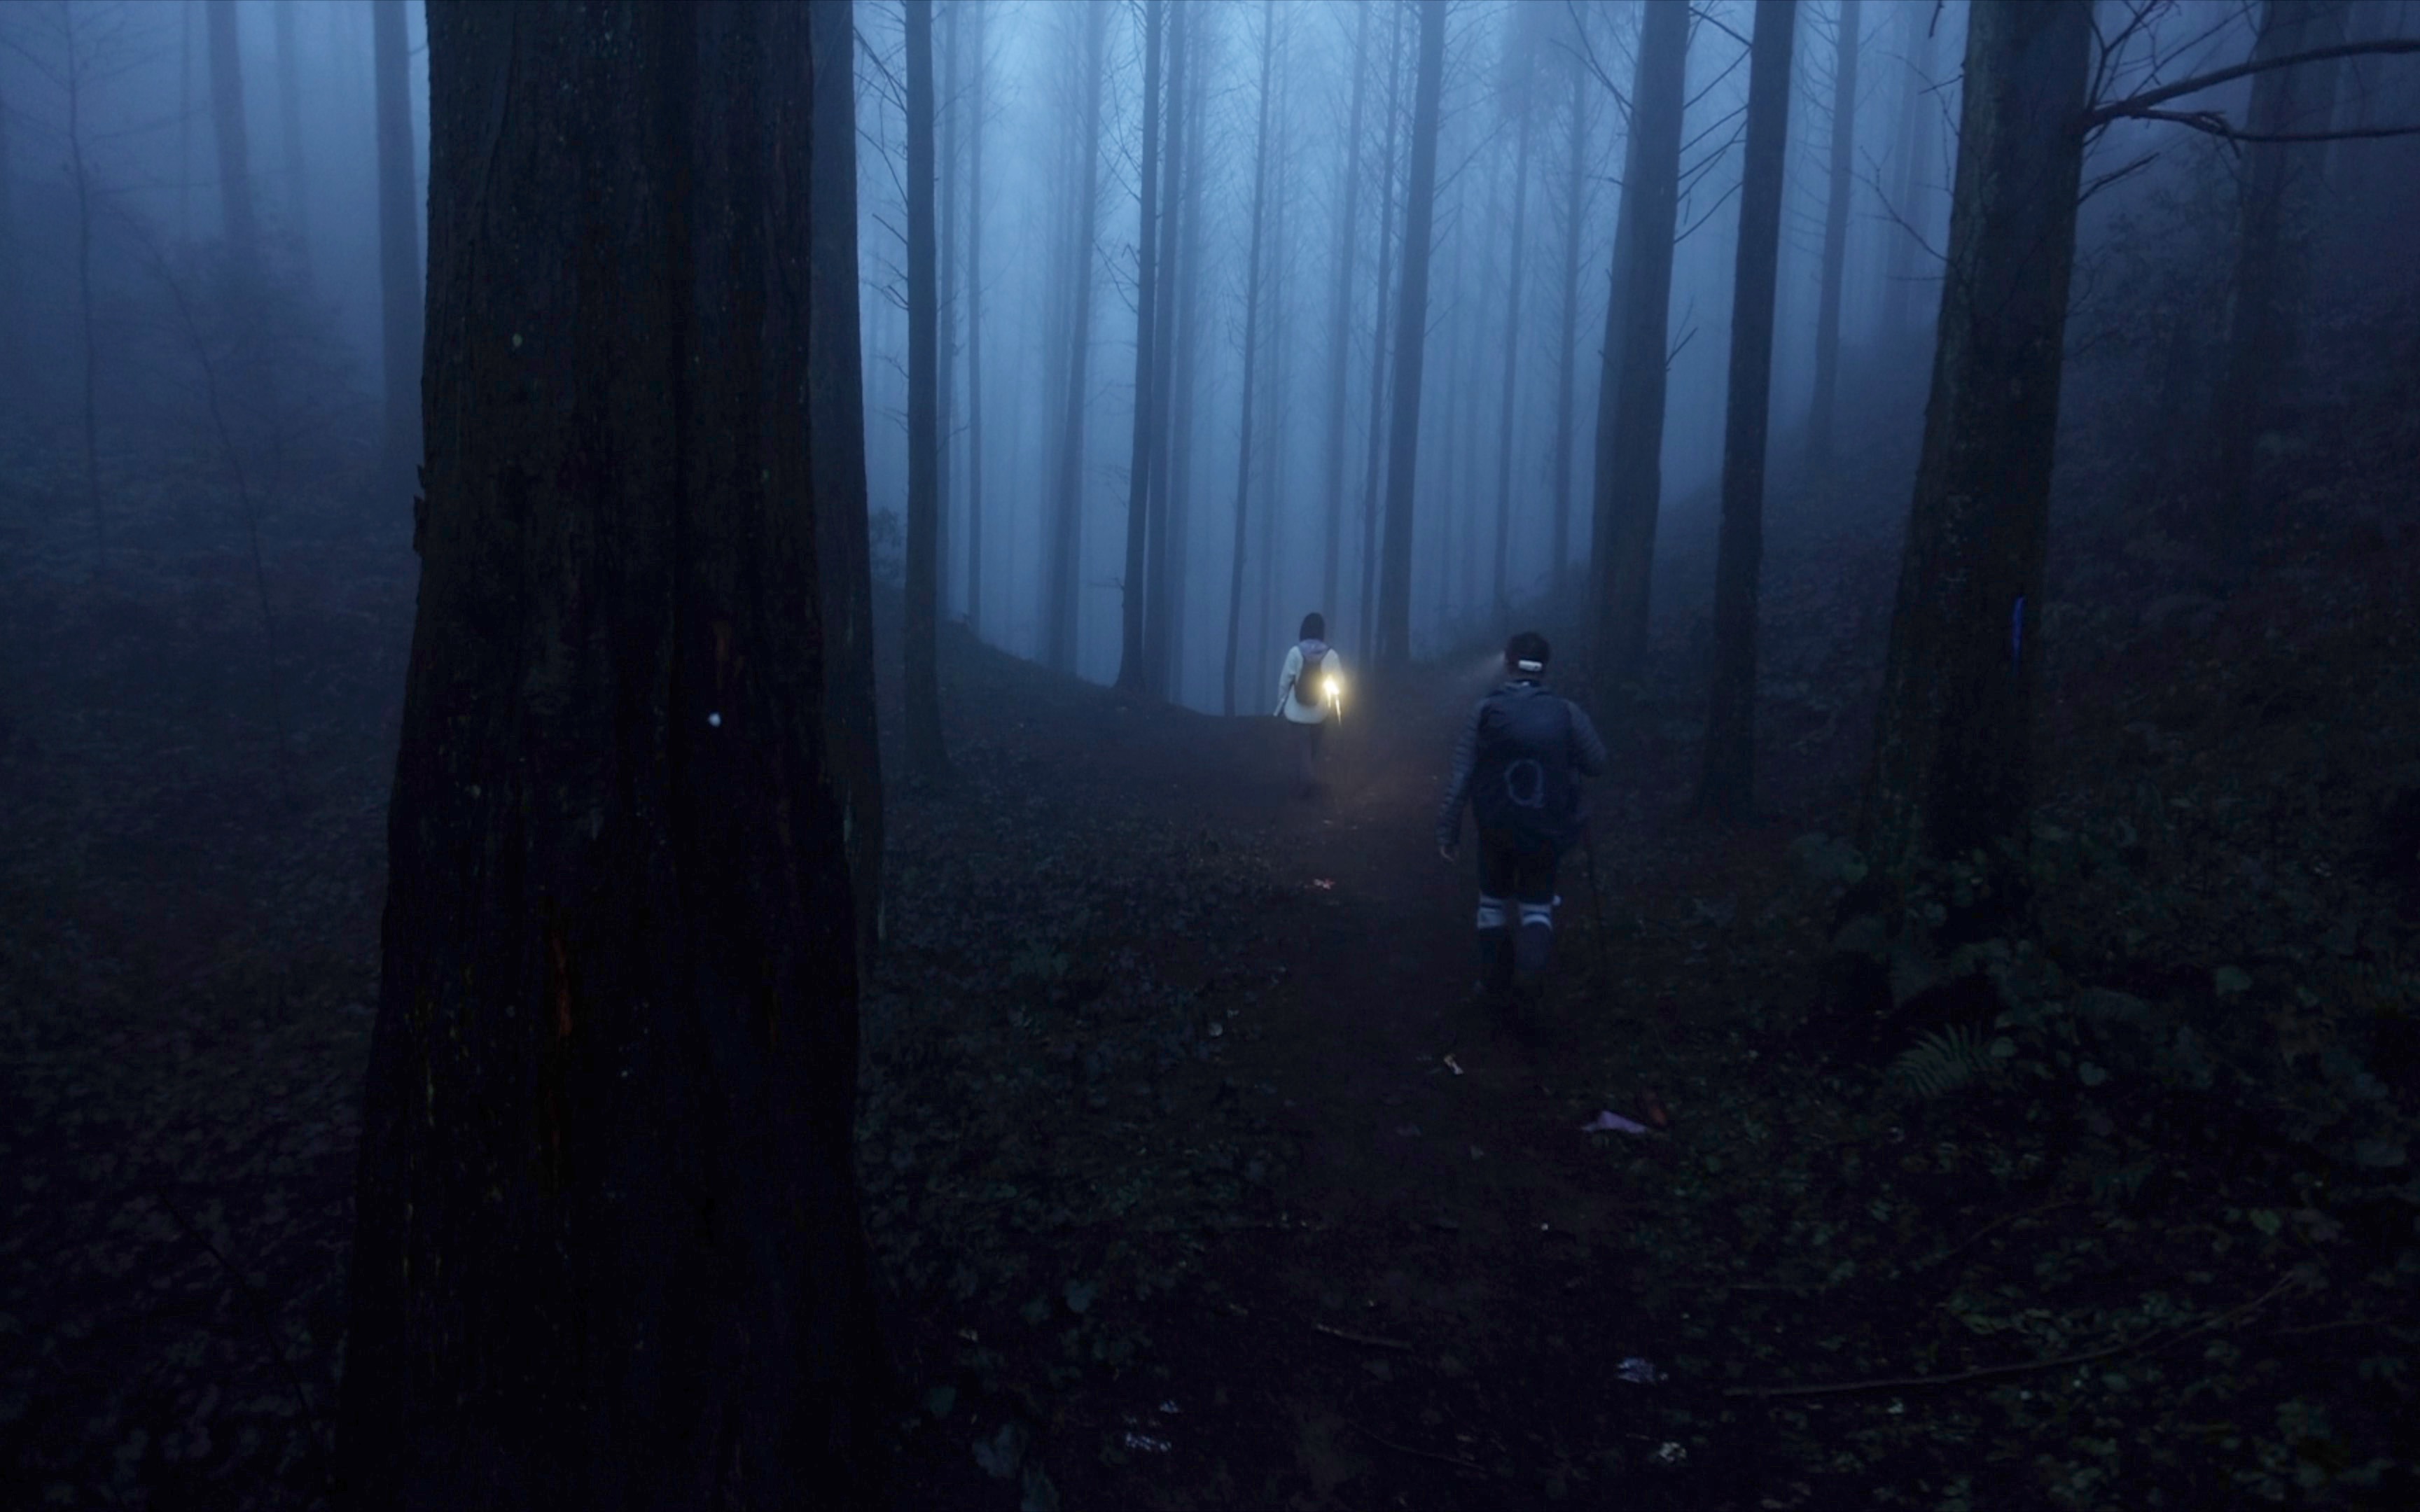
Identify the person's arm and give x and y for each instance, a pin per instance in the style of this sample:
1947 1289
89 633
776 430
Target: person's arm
1457 789
1287 678
1588 747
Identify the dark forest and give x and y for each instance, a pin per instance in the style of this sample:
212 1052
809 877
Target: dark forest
1209 753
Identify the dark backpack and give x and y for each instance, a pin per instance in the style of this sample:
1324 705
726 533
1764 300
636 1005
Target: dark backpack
1307 684
1523 783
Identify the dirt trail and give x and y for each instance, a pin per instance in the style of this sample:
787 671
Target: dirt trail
1438 1316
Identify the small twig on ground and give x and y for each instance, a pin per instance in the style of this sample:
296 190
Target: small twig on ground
1374 1342
1407 1449
1987 1372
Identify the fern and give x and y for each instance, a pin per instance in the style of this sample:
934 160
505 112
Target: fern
1946 1060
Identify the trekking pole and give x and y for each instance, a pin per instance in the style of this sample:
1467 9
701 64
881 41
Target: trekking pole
1596 898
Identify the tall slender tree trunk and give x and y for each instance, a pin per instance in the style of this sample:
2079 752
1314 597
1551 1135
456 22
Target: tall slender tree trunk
1909 312
946 184
1953 738
1500 599
1132 663
184 121
88 317
289 129
1394 647
976 131
1163 325
398 242
1067 499
1278 316
607 1250
1373 454
1188 367
2276 213
1726 779
1339 320
1567 335
1630 402
237 220
13 366
921 629
1252 349
1836 235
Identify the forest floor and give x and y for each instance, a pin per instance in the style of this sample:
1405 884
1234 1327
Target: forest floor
1193 1173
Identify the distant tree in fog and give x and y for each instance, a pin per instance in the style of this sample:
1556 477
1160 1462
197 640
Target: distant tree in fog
1251 348
1066 523
920 631
1133 673
237 220
1841 188
1394 632
399 244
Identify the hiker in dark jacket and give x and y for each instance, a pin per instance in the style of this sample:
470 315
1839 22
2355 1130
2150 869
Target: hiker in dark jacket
1518 766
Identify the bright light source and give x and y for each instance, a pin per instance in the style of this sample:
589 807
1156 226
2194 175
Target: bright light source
1334 690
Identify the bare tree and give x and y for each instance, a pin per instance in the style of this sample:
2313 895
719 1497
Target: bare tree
1251 346
1630 397
619 900
1133 674
1517 85
1567 330
1373 469
1394 641
1726 779
1067 500
1185 353
289 128
1173 220
1339 316
977 128
920 629
1836 233
947 183
237 220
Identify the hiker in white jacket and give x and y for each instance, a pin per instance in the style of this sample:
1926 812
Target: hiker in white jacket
1310 688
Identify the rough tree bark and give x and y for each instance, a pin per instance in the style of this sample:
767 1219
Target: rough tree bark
1630 397
920 629
1501 603
1726 779
608 1252
1251 348
1163 325
1953 738
1374 455
236 221
975 132
1339 319
1133 673
398 243
1394 644
1567 336
1836 235
1067 496
2275 216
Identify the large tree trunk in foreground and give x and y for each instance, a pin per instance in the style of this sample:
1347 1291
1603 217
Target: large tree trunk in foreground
1836 235
608 1252
236 221
1953 737
2276 215
1726 781
398 243
1630 398
921 628
1394 647
1132 673
1251 352
1067 527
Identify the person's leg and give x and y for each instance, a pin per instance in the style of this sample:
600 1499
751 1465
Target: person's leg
1533 944
1311 736
1495 884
